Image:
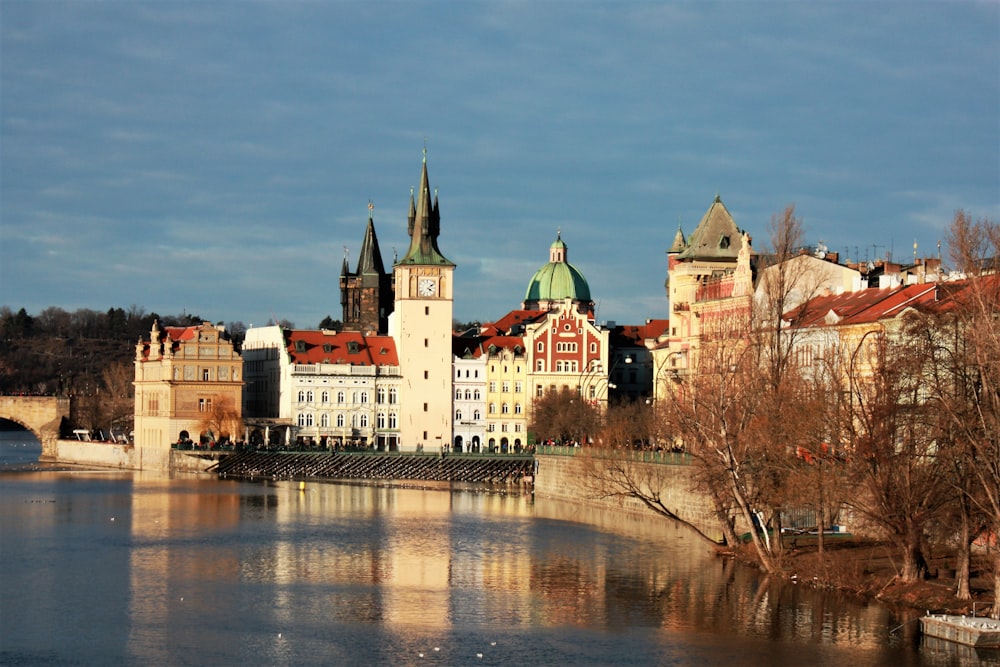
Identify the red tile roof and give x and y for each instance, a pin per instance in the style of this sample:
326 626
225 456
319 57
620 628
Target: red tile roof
308 346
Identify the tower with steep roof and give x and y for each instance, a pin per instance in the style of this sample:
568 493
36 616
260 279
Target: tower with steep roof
421 325
366 293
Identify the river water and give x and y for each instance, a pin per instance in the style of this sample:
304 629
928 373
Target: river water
105 567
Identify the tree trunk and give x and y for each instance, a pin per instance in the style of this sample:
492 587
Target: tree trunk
914 565
963 556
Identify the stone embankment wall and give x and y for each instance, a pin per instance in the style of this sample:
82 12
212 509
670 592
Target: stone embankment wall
124 457
571 479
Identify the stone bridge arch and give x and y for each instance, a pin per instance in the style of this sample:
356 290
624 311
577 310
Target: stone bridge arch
42 415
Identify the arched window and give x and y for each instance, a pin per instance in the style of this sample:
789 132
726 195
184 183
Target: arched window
393 396
364 397
325 396
393 423
458 415
458 394
309 397
493 408
309 419
363 421
517 408
477 415
341 397
468 395
476 395
340 420
324 420
380 395
505 409
380 420
302 419
302 396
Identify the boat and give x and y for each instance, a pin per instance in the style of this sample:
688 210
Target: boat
968 630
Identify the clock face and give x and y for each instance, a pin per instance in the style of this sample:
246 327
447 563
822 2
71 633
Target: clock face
426 287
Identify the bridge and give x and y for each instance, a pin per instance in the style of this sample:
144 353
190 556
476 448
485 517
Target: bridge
42 415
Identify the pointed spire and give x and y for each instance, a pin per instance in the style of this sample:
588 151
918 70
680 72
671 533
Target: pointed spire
370 257
680 243
425 224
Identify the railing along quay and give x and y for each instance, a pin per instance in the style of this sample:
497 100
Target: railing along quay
480 468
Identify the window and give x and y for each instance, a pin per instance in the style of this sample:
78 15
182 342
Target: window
540 365
517 408
325 397
392 420
204 405
505 409
302 419
363 422
491 427
458 394
541 346
302 397
458 415
380 395
493 408
468 395
341 397
503 428
324 420
476 415
309 420
380 420
518 387
517 427
426 343
309 397
425 407
426 374
364 397
476 395
506 387
204 375
493 386
539 392
393 396
340 420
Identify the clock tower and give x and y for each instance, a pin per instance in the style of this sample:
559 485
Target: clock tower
421 324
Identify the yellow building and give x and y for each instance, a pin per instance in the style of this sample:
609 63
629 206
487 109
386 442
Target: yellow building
187 378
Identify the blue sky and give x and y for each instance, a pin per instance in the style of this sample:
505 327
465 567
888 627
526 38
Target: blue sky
216 158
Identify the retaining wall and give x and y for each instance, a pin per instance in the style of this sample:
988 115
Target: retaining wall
124 457
570 478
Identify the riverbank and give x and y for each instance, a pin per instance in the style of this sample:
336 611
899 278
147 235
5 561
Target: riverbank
869 569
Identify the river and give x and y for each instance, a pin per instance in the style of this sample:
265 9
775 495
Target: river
120 568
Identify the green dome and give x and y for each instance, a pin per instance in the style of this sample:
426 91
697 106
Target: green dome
558 279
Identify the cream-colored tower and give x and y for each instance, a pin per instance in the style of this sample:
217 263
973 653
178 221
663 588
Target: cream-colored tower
421 325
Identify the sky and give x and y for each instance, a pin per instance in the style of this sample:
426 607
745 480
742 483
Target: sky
217 159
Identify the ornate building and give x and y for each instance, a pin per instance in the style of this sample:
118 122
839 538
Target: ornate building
188 382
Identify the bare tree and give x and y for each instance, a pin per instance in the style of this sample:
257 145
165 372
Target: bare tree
222 420
564 417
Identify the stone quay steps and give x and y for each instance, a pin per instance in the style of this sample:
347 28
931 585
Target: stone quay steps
475 468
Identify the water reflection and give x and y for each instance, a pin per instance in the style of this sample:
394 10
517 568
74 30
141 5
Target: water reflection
194 570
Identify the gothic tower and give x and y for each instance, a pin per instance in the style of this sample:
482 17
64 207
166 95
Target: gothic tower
366 293
421 326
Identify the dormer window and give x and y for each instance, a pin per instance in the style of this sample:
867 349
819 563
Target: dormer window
300 346
353 347
327 348
724 242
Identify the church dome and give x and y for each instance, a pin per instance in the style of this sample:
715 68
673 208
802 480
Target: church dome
557 280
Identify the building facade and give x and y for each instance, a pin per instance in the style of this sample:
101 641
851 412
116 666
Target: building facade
188 387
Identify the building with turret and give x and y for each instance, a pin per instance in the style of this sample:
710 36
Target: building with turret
188 386
421 325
